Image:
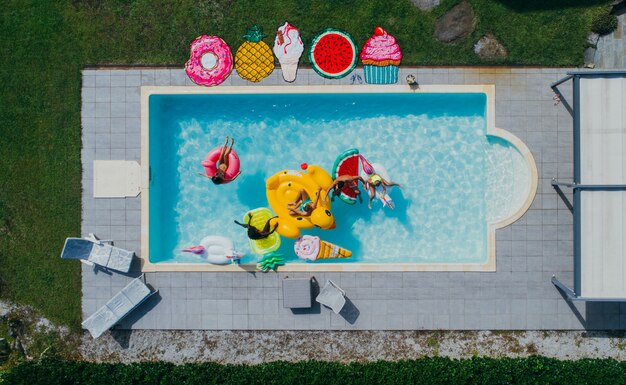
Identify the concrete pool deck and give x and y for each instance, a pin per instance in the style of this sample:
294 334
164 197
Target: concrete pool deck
517 296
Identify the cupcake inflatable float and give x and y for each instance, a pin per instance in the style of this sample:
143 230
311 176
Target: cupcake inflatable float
210 62
381 57
288 48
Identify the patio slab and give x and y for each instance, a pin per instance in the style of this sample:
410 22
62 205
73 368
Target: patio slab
518 295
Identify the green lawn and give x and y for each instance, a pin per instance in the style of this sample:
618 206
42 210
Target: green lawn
45 44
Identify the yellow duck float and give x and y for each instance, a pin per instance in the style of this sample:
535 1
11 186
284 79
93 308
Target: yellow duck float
282 189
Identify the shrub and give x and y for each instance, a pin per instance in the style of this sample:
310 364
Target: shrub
604 23
430 370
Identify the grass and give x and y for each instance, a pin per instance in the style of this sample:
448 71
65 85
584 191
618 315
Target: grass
40 158
44 44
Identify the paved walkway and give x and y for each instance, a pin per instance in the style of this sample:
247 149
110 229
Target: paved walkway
518 295
611 51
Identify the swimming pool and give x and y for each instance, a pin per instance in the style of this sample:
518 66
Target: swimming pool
461 177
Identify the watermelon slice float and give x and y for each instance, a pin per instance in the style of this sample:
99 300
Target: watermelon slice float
333 53
347 163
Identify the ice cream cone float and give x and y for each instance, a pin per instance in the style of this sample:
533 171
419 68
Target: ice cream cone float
313 248
331 251
288 48
289 70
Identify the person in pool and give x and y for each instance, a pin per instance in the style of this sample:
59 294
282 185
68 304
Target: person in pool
340 182
303 205
256 234
222 164
374 181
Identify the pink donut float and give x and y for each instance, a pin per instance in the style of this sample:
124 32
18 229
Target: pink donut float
210 161
210 62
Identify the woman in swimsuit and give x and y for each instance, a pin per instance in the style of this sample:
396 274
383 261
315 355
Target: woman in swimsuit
374 181
222 163
256 234
303 205
341 181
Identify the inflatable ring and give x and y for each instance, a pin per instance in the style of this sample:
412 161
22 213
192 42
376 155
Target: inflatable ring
210 62
282 189
210 164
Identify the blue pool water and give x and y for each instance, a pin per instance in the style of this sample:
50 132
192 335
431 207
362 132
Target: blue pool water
454 177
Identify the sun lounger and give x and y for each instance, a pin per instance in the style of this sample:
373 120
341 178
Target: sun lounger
332 296
118 307
92 251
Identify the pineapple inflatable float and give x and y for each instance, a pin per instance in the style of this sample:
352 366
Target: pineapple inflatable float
254 59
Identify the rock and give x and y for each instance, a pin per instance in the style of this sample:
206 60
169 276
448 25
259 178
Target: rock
5 309
592 38
590 54
425 5
456 24
489 48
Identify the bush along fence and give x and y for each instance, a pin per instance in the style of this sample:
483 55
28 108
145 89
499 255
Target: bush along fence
436 370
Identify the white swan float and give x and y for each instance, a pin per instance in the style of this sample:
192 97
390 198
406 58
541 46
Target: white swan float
216 249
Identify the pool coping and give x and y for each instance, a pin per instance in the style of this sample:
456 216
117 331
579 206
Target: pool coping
488 266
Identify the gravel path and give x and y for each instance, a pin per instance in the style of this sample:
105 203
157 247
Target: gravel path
253 347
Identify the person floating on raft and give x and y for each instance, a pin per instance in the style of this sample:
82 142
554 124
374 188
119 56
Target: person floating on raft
303 205
262 228
376 182
284 192
222 163
352 182
256 234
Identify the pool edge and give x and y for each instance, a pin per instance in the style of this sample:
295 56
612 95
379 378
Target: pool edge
488 89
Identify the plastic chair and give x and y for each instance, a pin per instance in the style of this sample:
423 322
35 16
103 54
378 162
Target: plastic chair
332 296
